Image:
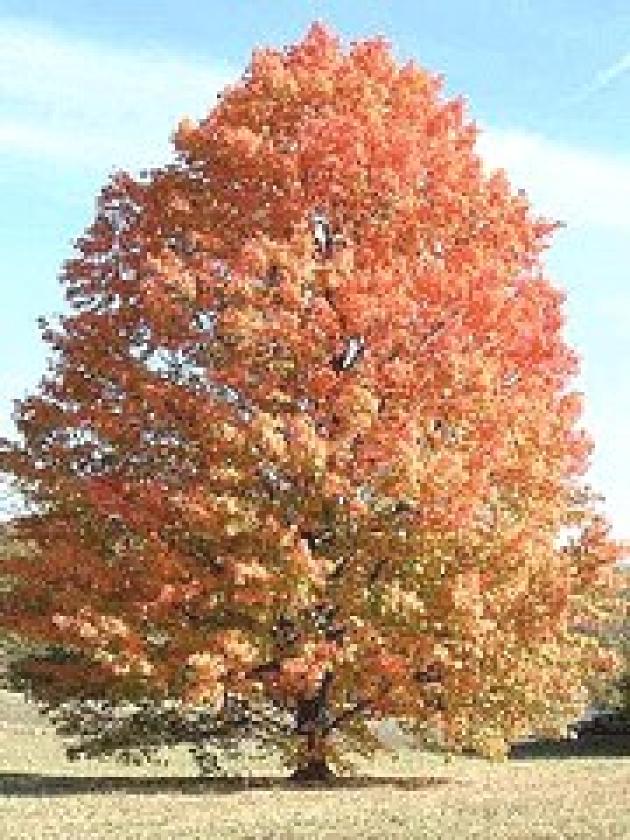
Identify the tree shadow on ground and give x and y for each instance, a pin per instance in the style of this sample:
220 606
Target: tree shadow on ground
571 749
33 784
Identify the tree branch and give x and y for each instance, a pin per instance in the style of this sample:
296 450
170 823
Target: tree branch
360 707
339 568
264 668
312 710
378 568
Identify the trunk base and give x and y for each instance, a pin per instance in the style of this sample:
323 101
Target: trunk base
313 771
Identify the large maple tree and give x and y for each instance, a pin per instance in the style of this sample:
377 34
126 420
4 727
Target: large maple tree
307 455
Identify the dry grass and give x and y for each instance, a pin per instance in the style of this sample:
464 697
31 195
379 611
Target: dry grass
526 799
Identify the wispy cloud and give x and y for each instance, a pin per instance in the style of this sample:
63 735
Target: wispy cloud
82 103
581 187
603 79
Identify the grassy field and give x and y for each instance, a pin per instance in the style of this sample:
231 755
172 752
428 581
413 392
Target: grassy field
419 796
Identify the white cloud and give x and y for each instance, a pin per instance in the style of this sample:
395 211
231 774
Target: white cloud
14 385
82 103
580 187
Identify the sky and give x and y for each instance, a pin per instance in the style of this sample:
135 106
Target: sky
86 88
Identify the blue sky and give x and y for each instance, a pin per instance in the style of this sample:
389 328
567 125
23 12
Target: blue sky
87 87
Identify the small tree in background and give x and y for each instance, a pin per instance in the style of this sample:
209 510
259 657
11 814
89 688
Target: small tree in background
308 446
623 686
613 694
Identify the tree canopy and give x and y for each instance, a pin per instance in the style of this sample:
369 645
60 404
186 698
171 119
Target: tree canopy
308 451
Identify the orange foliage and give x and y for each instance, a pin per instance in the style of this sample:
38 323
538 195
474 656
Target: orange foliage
405 448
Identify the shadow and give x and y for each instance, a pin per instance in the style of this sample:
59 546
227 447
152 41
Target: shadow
570 749
33 784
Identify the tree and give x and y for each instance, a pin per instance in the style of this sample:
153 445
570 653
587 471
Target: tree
308 445
613 695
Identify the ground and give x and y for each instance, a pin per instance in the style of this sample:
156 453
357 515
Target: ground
44 796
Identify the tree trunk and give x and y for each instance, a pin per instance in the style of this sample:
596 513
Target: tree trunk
313 770
310 720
